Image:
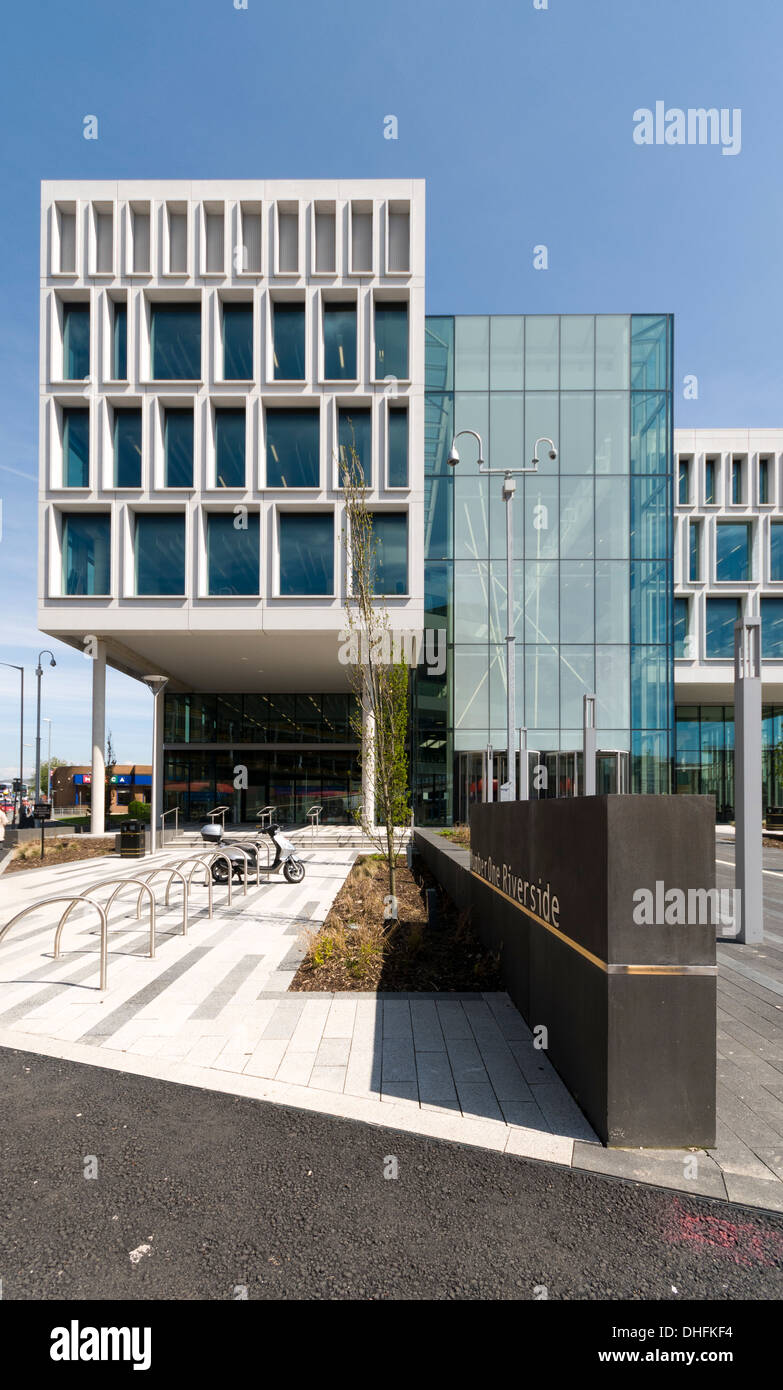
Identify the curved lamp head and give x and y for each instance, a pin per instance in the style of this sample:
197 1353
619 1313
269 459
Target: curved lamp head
552 451
155 683
453 458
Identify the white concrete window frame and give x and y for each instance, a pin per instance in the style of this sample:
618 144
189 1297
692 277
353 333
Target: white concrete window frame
690 462
717 460
157 471
54 545
388 296
280 509
312 402
735 519
288 207
107 408
171 208
346 294
57 302
392 404
201 523
240 267
380 508
95 210
364 401
168 296
770 457
59 209
220 299
361 208
57 404
743 459
328 209
228 402
139 208
206 210
128 514
776 585
107 304
397 207
287 296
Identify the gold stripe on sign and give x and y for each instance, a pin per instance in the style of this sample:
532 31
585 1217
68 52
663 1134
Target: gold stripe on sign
588 955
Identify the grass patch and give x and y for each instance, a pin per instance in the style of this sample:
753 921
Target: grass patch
360 947
458 834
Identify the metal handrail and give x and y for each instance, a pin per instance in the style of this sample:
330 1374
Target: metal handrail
69 898
219 811
265 811
120 882
173 811
314 817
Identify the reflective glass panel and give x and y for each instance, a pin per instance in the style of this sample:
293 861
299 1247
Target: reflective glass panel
721 615
611 432
772 628
178 448
471 353
230 448
339 322
391 341
76 447
86 553
732 552
288 321
292 448
355 442
390 552
577 435
160 553
175 341
398 447
694 551
577 352
649 352
649 432
306 553
237 342
127 448
577 621
611 518
776 550
507 352
612 352
119 367
541 352
232 554
577 519
611 601
76 342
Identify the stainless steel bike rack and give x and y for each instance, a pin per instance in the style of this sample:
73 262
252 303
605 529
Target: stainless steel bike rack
172 873
120 882
198 861
71 898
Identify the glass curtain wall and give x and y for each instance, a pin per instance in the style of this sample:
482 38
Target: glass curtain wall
592 558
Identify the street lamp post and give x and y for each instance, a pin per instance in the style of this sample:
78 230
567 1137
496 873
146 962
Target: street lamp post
49 762
20 669
157 685
39 673
509 488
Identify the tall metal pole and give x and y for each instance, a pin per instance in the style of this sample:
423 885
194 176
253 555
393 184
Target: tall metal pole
747 756
588 743
39 673
509 488
13 667
524 780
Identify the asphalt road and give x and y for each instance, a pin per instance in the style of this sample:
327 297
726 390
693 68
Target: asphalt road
198 1194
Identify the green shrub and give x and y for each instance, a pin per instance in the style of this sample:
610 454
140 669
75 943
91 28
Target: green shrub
139 810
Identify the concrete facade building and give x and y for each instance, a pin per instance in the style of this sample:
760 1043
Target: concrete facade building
728 565
208 353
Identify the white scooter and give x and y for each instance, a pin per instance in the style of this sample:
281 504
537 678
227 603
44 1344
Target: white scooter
285 854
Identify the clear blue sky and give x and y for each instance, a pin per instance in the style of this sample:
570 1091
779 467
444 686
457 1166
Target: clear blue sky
520 120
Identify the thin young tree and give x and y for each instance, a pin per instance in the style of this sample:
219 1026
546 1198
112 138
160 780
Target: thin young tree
379 678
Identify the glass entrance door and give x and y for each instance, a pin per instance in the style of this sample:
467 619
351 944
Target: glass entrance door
612 768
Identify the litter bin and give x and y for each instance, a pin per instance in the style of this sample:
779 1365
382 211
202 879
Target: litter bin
132 838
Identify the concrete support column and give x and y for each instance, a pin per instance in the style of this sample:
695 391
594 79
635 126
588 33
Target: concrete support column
97 817
368 765
156 808
747 777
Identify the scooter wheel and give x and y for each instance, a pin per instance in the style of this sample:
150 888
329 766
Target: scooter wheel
293 871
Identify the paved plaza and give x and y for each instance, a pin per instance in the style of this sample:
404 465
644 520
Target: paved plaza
214 1009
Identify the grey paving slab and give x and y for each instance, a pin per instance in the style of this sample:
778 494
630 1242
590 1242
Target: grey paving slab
225 991
398 1061
436 1082
453 1020
285 1018
661 1167
397 1019
754 1193
466 1060
333 1052
427 1032
478 1100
